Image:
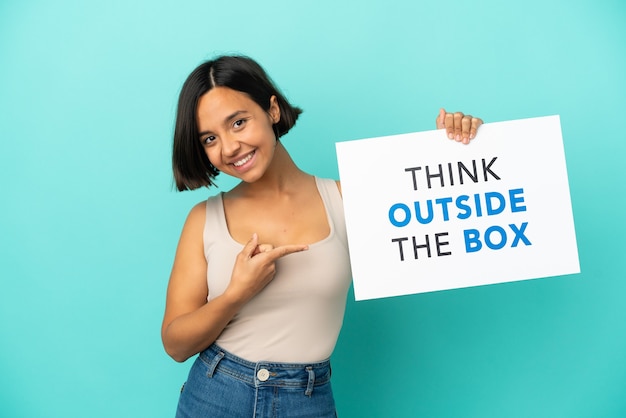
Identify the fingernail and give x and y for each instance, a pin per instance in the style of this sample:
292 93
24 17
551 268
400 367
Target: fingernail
450 136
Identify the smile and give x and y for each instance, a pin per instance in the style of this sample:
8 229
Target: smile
244 160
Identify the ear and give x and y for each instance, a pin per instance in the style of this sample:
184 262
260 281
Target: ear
274 110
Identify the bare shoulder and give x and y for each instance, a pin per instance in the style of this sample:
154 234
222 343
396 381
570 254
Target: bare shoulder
338 185
194 224
190 245
197 213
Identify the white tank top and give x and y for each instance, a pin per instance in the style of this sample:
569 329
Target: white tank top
296 318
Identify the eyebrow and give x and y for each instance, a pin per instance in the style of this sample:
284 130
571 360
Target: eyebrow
226 119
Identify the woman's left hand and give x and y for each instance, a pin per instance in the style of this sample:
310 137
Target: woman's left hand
458 126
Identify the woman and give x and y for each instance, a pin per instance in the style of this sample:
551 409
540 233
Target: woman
261 272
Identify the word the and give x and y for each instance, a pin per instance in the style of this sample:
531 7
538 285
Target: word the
425 246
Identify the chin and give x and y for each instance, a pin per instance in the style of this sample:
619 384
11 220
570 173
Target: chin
248 177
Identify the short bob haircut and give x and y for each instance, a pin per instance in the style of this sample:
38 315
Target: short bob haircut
192 168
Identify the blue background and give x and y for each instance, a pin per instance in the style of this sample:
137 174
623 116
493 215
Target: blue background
89 220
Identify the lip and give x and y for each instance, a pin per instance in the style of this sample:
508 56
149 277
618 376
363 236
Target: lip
248 158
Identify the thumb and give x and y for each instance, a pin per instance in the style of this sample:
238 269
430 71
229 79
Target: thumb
250 247
262 248
440 121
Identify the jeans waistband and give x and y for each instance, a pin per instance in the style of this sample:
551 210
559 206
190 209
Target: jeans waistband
266 373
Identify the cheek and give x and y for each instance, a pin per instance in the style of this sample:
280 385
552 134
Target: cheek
213 155
268 133
262 136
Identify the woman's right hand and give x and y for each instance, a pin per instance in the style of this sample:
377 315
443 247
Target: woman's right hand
255 267
458 126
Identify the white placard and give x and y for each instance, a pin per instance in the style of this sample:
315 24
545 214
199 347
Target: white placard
424 213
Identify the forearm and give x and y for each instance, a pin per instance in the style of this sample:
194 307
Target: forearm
191 333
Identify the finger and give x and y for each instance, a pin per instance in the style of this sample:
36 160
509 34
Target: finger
476 122
278 252
458 116
441 119
466 124
449 120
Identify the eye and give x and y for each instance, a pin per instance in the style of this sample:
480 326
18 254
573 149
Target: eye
239 123
208 139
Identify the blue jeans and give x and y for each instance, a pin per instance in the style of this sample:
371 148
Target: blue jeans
221 384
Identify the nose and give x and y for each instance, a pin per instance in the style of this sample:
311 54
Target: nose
230 146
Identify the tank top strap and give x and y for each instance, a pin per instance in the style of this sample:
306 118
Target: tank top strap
334 206
215 221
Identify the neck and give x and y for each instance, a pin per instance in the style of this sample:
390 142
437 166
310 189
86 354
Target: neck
283 176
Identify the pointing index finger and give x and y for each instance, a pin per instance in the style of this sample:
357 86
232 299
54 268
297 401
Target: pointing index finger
284 250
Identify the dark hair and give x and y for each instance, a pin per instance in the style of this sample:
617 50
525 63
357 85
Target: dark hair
192 168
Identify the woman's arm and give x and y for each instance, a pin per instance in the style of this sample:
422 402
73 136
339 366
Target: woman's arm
190 323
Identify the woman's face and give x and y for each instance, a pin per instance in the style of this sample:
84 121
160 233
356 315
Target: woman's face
236 133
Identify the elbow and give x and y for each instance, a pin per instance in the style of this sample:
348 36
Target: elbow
172 349
179 358
177 355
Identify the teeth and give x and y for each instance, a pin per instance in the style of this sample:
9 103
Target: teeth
243 160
